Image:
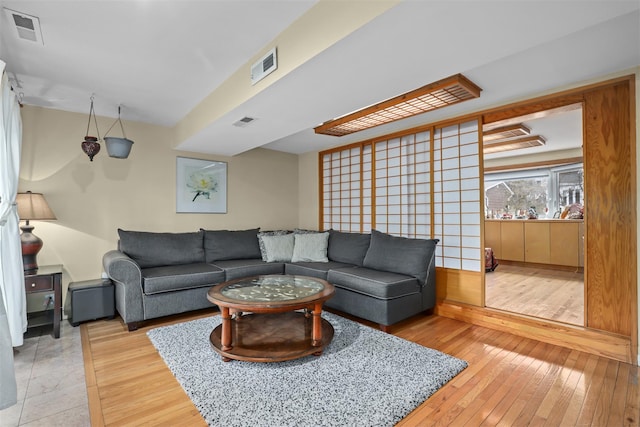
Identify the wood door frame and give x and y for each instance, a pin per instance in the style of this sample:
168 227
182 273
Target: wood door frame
611 287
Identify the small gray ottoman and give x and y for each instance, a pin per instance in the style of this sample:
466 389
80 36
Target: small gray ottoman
89 300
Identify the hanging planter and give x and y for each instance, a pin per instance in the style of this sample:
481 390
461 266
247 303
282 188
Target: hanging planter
118 148
90 145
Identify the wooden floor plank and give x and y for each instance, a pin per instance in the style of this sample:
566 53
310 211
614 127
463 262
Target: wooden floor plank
546 293
632 402
510 380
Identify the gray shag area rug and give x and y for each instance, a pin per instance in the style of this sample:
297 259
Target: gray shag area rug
365 377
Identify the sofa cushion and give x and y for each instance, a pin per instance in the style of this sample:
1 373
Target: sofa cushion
231 244
237 268
313 269
159 249
374 283
400 255
310 247
350 248
156 280
277 248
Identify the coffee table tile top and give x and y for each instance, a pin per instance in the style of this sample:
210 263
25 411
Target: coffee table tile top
273 288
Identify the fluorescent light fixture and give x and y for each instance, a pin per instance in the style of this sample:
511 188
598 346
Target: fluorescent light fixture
514 144
442 93
504 132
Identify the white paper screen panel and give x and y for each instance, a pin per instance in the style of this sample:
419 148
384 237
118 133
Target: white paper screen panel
403 186
457 198
346 188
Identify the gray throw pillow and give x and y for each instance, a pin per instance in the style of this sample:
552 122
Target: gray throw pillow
400 254
222 245
157 249
348 247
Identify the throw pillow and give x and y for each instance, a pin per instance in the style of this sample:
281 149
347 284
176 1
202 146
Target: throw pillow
157 249
310 247
278 248
348 247
400 254
236 244
263 250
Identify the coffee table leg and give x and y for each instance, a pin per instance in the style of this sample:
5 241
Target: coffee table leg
225 338
316 333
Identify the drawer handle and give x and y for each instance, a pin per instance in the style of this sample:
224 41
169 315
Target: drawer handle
33 285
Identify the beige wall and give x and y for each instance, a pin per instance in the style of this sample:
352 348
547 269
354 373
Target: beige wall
308 197
92 199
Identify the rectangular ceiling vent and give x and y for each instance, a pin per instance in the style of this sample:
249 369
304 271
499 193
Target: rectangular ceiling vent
27 26
265 66
244 121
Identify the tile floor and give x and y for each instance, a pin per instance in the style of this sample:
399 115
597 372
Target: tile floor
50 377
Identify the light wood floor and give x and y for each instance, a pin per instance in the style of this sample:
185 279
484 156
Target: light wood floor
549 294
510 381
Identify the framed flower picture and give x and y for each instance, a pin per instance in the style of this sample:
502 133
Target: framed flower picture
201 186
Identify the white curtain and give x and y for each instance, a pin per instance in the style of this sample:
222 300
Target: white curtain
13 312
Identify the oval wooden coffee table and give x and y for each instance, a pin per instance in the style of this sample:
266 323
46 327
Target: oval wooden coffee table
273 331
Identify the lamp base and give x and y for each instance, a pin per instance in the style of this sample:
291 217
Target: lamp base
31 245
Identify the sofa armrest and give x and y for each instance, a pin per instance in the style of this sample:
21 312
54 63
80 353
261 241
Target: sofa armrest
127 277
429 285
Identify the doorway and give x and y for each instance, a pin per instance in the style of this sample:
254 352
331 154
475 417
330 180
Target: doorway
534 210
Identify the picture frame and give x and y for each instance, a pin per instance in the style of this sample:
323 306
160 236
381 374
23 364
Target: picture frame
201 186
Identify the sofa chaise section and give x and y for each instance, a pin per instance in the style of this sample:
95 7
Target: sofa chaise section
394 281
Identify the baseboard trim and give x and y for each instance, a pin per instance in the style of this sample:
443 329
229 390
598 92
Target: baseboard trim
600 343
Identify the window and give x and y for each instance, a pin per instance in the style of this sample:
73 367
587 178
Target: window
549 191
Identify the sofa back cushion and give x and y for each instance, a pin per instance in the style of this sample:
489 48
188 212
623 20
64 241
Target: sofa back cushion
350 248
400 254
220 245
157 249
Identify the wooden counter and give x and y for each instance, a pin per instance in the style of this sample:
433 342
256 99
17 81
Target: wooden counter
539 241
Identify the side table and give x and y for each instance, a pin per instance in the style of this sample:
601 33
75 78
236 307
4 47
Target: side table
46 280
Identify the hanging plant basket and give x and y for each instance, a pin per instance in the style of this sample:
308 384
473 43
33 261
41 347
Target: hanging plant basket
118 147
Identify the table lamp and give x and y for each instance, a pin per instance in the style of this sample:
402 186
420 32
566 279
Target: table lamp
31 206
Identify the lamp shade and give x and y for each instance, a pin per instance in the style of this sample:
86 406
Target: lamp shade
33 206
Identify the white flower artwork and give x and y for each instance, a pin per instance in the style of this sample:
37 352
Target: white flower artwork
201 186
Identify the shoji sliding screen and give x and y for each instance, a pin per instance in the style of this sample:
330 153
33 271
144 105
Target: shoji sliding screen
346 189
457 197
424 185
403 186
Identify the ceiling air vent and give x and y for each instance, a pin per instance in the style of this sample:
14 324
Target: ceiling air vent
244 121
27 26
265 66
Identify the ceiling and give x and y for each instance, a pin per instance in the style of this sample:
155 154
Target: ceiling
185 64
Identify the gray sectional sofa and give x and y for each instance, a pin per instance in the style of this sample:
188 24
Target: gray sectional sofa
377 277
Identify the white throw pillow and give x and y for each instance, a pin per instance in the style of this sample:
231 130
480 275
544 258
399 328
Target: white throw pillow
310 247
277 248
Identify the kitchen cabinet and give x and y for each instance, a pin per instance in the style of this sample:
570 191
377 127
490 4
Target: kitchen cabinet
541 241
